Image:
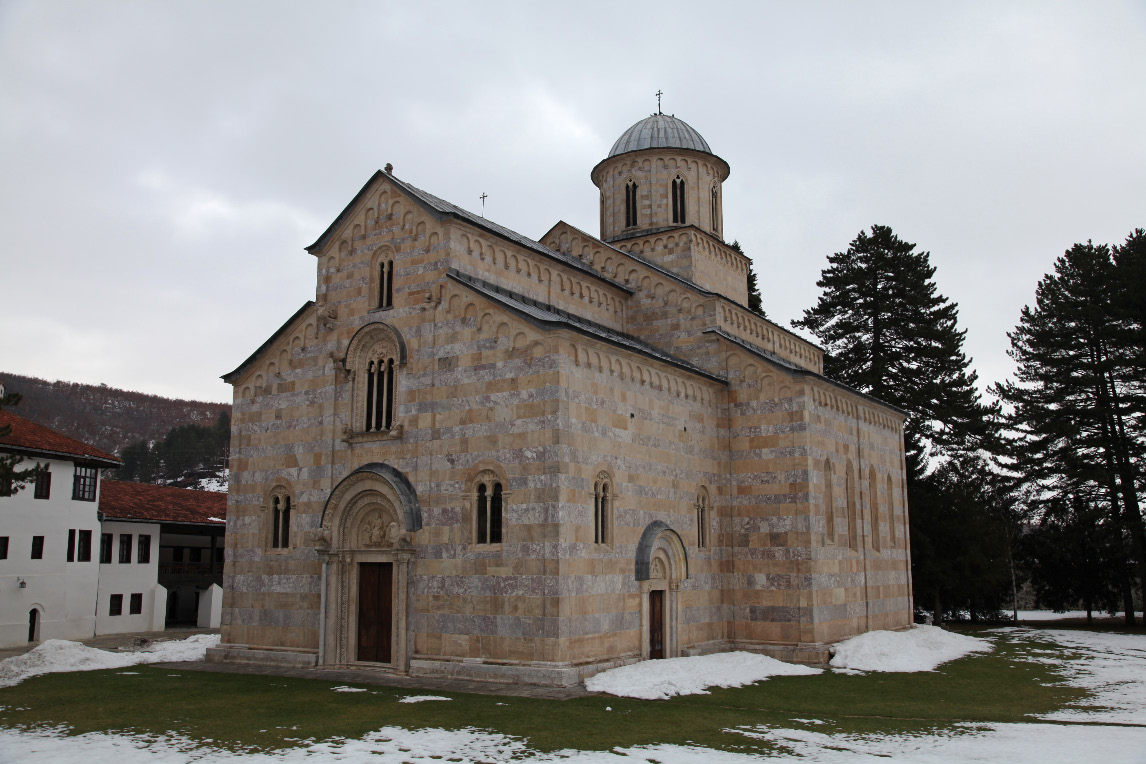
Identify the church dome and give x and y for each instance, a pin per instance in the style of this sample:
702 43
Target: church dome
659 131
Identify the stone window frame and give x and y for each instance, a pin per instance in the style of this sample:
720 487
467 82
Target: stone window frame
703 507
374 343
279 504
604 507
829 503
892 535
874 507
853 515
715 207
491 475
632 189
382 267
677 193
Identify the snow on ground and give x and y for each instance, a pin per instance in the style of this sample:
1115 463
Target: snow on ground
1011 743
1111 666
421 698
1050 615
348 689
655 680
56 655
921 648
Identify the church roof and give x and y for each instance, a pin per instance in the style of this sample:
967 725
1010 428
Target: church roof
540 313
660 131
440 208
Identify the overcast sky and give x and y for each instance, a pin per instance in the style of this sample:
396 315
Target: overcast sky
162 164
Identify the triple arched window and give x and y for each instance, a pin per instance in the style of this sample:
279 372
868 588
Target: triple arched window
380 374
488 509
630 204
678 214
603 509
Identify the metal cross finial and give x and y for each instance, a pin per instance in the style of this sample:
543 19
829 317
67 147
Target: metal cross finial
483 198
659 94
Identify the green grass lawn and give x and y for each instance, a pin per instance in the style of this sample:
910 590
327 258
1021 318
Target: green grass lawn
247 712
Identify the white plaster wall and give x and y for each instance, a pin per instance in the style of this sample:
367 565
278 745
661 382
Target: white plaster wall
127 579
63 592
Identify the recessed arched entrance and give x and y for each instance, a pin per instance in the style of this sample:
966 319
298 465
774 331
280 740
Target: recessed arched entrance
661 564
368 528
34 625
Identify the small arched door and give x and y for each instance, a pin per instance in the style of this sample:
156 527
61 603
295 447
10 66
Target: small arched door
33 625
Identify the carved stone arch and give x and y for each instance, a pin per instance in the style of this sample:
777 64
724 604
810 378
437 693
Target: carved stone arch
356 232
362 527
661 564
454 304
703 507
374 357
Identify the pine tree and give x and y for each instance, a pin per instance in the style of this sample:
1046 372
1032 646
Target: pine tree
755 301
1077 403
888 332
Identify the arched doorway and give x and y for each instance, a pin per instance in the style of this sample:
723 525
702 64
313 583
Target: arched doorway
368 528
34 625
661 564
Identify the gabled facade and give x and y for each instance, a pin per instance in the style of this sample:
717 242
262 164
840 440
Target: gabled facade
484 456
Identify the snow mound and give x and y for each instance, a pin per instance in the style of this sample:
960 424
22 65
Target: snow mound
344 688
421 698
921 648
59 655
655 680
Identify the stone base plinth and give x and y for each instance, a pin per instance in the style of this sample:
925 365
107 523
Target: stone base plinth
224 653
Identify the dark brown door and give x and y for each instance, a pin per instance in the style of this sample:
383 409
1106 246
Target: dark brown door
375 611
657 623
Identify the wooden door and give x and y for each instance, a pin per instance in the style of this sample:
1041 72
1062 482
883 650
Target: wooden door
657 623
375 611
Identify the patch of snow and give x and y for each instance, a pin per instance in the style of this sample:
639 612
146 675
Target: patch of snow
421 698
1050 615
1111 666
656 680
921 648
57 655
1012 743
348 689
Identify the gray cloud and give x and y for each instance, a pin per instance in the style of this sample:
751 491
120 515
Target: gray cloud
164 164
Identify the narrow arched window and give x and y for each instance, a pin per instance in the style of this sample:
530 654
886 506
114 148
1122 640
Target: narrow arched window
715 211
495 515
630 204
829 504
602 510
702 519
873 490
891 534
280 521
853 530
678 214
386 284
489 510
482 514
380 379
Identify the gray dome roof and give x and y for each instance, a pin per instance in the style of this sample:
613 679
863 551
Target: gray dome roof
659 131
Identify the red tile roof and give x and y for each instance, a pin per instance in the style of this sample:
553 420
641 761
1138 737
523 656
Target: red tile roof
35 439
121 500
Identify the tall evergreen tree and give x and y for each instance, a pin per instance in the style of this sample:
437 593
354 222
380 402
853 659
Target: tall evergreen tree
888 332
1077 403
755 301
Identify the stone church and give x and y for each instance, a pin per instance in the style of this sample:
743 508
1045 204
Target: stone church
482 456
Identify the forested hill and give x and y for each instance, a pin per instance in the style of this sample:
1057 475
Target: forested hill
104 416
